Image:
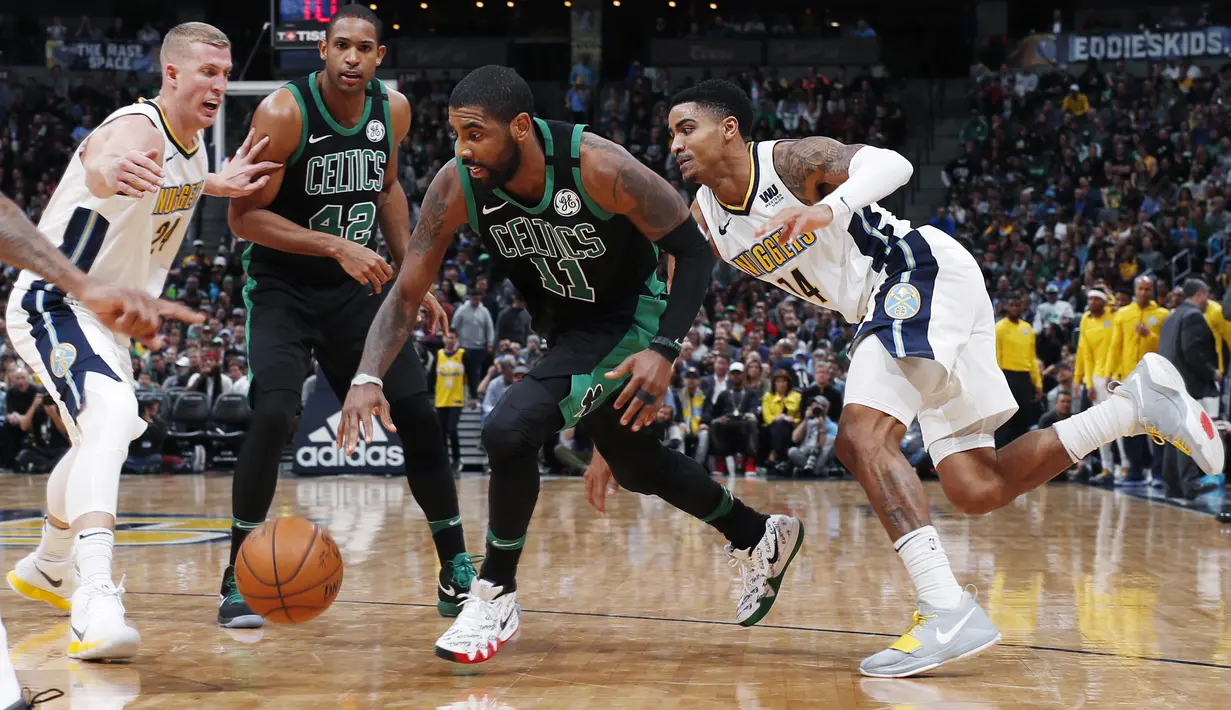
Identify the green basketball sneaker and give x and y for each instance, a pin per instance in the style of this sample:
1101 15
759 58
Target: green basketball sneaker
455 578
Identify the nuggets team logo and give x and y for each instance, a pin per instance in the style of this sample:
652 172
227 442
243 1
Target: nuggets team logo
375 130
62 358
23 528
567 203
903 302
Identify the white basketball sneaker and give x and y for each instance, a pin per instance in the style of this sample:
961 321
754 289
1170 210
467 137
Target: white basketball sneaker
43 580
1167 413
99 631
486 622
763 567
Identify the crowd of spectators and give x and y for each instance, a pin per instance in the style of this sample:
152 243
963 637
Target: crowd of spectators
1080 181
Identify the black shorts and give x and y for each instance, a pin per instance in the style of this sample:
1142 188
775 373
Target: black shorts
288 323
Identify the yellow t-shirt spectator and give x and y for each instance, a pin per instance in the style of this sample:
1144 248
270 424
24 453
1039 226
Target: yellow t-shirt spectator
1076 103
1015 350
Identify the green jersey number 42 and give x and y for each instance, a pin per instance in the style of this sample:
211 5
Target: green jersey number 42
357 227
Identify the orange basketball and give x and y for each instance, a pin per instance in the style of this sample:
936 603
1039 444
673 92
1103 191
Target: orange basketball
289 570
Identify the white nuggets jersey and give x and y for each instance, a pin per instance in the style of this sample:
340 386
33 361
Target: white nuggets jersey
838 267
120 240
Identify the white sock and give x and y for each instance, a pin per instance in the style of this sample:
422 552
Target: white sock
93 549
1101 424
10 689
928 567
56 545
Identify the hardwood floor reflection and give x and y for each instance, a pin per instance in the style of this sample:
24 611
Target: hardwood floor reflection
1104 601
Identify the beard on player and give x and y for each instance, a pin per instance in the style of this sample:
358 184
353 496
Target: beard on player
351 52
498 171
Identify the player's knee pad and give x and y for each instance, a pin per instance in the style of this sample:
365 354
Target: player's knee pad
506 435
273 414
110 413
107 423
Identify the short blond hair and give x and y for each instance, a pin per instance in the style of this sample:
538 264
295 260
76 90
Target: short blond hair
184 35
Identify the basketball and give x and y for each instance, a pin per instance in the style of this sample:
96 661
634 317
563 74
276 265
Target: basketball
289 570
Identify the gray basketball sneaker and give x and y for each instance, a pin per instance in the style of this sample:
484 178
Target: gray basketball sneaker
935 637
1169 415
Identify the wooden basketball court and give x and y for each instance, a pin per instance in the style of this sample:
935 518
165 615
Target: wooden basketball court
1105 601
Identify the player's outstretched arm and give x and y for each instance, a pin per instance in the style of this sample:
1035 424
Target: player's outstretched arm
621 184
244 173
863 174
122 310
392 209
279 120
442 213
124 157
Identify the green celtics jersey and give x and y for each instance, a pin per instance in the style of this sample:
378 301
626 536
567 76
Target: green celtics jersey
578 267
332 182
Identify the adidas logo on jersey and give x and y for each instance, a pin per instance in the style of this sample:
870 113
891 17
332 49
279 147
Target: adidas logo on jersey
771 196
321 451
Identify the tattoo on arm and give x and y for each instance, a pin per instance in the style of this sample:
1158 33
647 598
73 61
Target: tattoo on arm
431 222
808 161
653 203
392 326
23 246
637 191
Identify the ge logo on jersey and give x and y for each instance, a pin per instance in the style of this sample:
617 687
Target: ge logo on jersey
62 358
375 130
567 203
903 301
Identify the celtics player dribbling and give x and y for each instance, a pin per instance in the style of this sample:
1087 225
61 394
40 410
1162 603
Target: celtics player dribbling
315 282
577 223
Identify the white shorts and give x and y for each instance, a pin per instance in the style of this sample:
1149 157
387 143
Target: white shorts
927 348
61 342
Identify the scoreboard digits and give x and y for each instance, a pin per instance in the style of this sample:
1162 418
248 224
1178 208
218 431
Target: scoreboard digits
298 24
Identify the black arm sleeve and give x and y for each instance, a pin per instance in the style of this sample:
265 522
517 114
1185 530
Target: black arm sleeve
694 264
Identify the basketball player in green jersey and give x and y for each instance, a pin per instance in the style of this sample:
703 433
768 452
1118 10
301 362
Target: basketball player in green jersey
315 281
577 224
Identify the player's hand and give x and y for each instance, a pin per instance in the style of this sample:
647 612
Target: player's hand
789 224
363 264
243 174
133 313
362 401
651 375
599 483
1143 331
435 315
135 174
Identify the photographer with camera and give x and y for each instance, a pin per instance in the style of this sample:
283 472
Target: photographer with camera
145 452
46 438
814 439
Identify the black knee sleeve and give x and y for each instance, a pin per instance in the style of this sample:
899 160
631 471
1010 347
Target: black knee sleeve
642 471
256 471
508 436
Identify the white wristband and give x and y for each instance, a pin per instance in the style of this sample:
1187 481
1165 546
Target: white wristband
367 380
